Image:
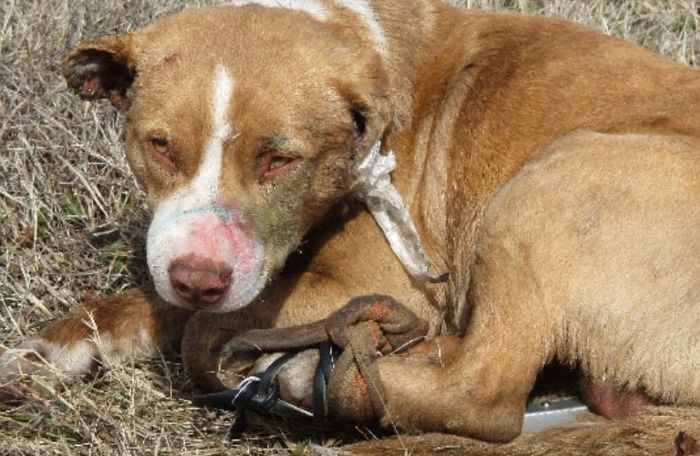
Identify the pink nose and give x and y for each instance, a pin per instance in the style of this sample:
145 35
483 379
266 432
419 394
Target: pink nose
198 279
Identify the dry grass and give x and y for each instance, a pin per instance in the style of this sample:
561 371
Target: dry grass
72 222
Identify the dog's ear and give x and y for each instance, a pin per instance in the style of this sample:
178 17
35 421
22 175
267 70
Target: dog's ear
368 105
103 67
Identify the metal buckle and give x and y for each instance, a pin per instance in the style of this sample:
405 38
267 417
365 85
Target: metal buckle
260 394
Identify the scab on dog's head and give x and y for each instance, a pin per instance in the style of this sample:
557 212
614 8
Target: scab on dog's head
243 125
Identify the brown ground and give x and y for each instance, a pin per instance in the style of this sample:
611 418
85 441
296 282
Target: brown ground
72 227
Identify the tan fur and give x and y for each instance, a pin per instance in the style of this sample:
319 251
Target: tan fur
466 100
588 255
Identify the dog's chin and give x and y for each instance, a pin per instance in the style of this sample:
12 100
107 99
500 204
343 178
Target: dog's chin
236 299
233 300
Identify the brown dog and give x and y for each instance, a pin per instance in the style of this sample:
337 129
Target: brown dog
245 125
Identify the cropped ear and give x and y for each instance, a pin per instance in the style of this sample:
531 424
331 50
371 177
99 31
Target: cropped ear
102 67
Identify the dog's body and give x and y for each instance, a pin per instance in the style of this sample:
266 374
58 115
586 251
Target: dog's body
246 145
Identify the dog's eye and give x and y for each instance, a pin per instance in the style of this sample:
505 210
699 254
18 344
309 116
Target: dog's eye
159 145
273 166
161 151
278 162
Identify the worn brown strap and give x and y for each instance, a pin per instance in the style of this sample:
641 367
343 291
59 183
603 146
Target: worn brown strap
365 328
277 339
395 325
355 391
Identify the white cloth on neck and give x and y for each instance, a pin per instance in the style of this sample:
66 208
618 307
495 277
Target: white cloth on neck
375 189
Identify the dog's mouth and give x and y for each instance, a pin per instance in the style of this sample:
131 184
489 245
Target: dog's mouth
203 258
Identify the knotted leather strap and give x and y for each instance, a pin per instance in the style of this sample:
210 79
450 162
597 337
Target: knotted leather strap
365 328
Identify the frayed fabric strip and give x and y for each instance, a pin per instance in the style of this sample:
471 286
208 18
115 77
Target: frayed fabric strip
375 189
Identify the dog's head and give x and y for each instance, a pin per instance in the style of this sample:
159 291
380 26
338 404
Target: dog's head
243 125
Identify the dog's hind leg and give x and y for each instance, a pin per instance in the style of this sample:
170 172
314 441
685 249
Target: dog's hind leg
135 323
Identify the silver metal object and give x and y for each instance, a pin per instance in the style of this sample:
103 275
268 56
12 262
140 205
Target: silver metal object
553 412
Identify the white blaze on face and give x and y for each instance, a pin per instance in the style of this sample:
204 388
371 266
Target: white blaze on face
193 223
312 7
206 182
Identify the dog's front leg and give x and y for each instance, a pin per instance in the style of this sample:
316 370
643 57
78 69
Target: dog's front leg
482 391
476 386
134 323
482 394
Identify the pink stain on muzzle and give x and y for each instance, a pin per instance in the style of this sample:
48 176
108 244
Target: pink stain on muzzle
204 258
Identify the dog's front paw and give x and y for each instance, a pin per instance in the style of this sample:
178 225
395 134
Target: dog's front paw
16 363
37 356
